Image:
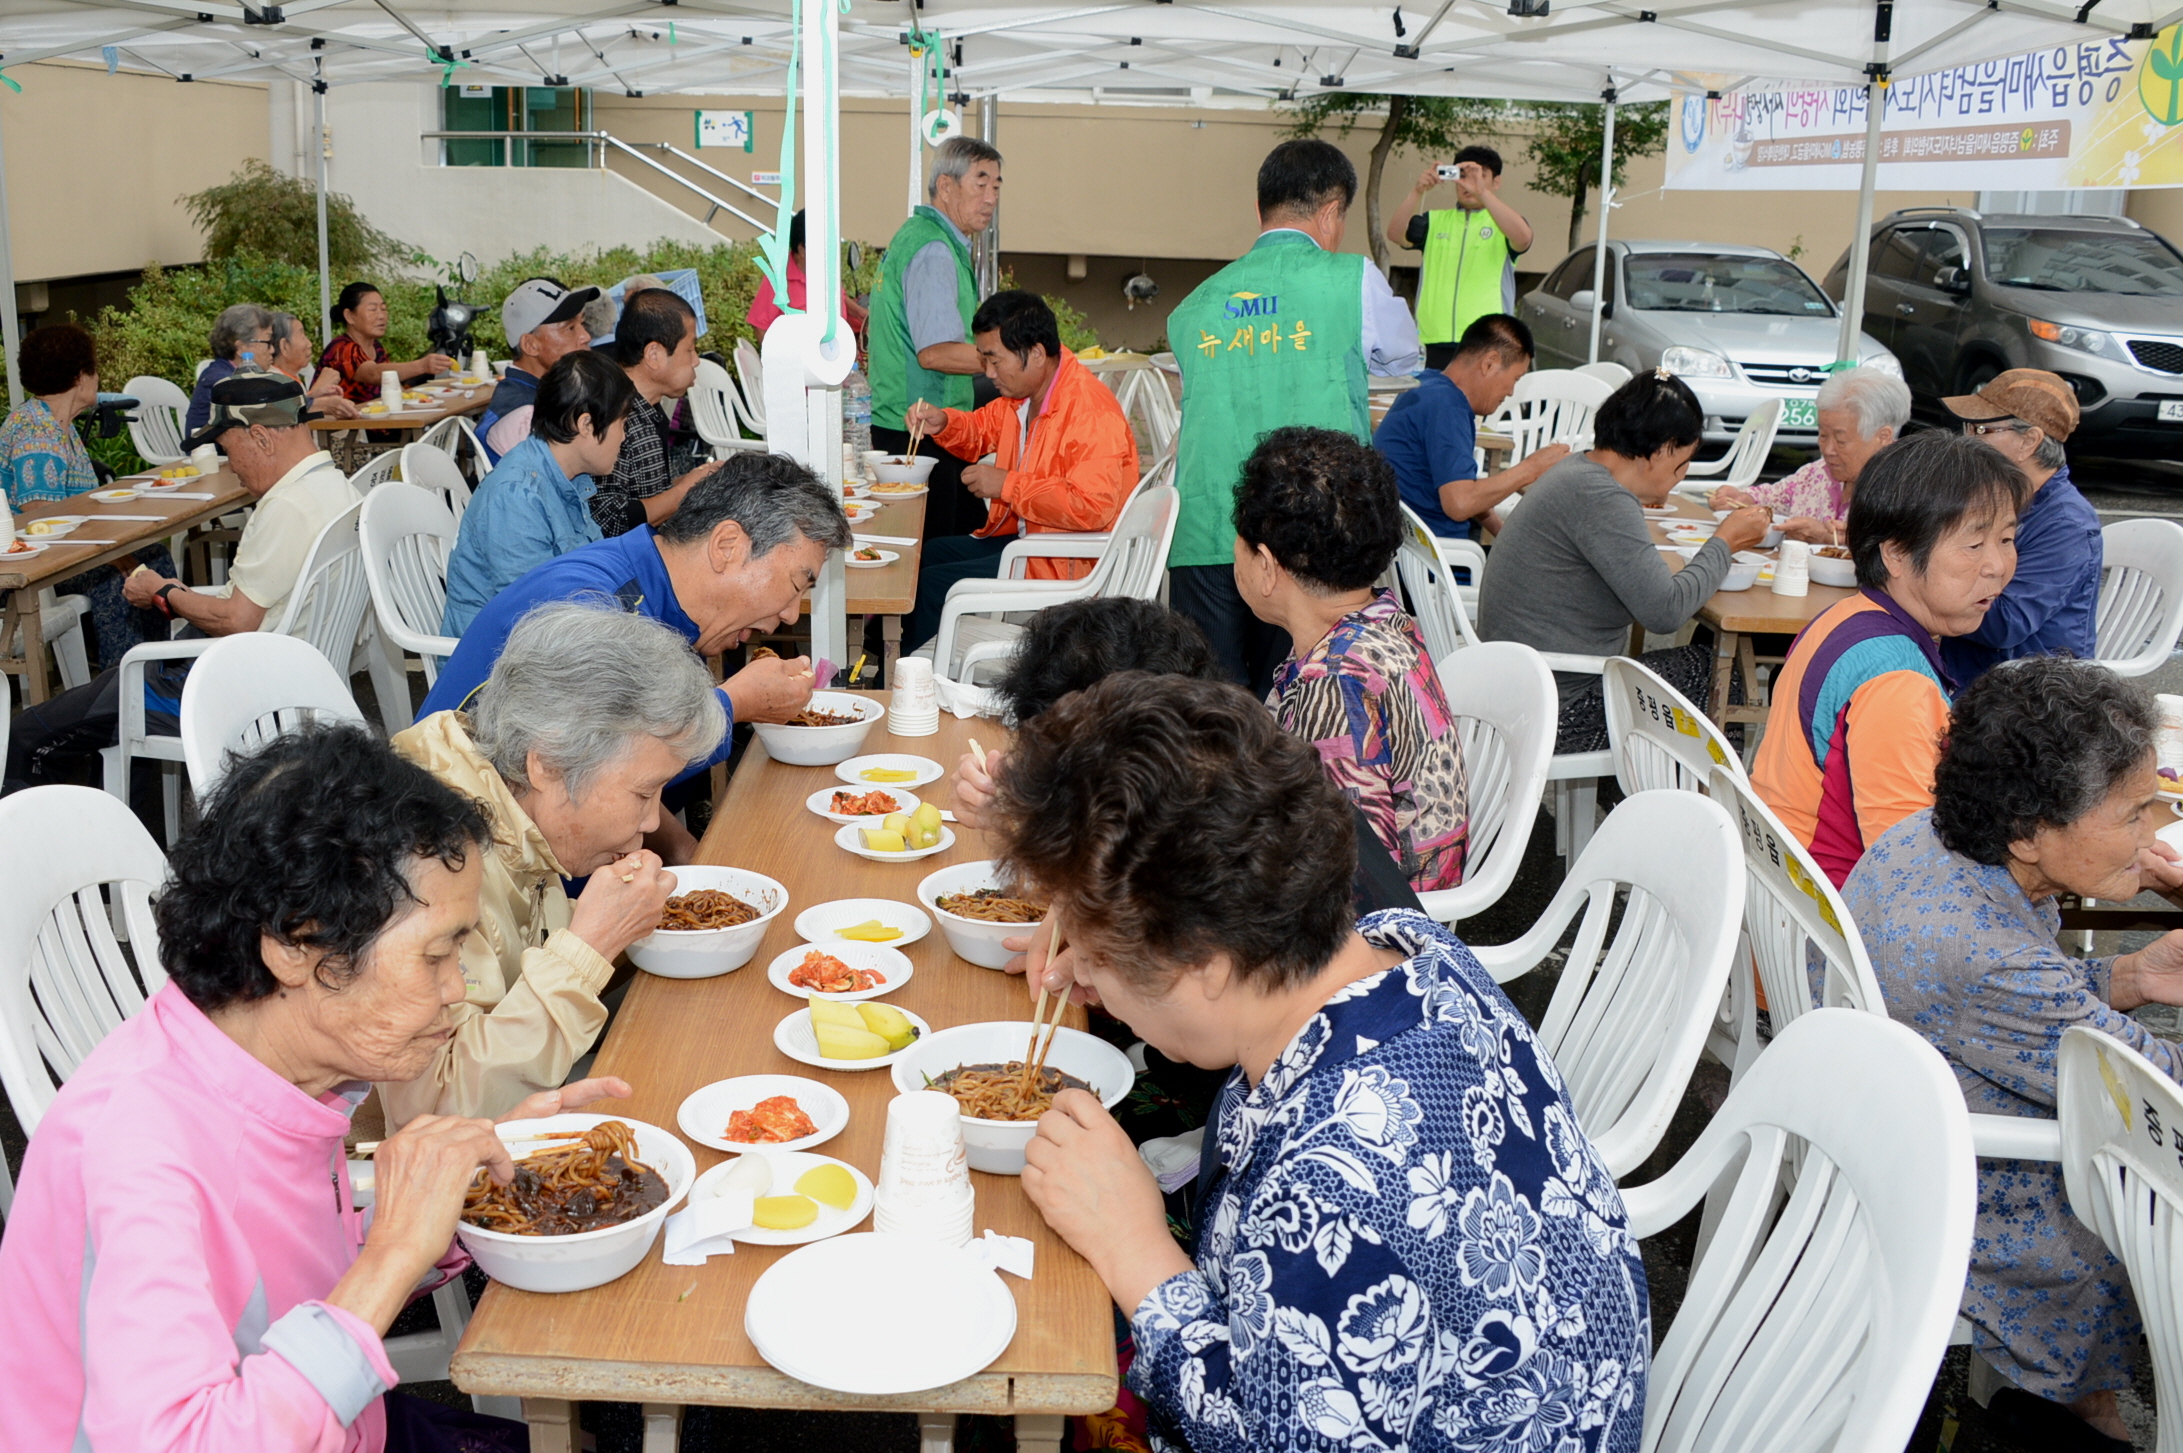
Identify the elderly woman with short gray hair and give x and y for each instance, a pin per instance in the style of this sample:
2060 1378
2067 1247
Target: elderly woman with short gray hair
588 714
241 338
1861 411
2045 786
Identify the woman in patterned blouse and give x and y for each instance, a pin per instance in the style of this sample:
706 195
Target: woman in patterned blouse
358 356
1861 411
1318 521
2045 786
1404 1240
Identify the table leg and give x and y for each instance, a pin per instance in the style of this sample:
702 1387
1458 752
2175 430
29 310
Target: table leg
1040 1432
24 621
890 645
935 1433
662 1427
1724 666
553 1423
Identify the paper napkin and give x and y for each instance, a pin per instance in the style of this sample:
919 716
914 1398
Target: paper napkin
1011 1254
707 1228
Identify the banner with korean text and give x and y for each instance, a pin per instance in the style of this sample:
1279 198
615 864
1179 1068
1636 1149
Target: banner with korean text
2097 114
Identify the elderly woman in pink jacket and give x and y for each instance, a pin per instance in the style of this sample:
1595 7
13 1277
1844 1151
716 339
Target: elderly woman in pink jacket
183 1269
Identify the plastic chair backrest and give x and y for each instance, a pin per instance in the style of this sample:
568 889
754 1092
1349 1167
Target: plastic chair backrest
710 408
1753 442
155 432
1553 407
1136 555
408 534
1816 1321
1630 1013
65 980
248 689
1504 704
451 436
380 468
433 470
750 372
2122 1162
332 593
1658 736
1796 921
2141 595
1608 372
1429 583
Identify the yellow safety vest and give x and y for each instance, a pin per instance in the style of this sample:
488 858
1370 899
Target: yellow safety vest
1466 257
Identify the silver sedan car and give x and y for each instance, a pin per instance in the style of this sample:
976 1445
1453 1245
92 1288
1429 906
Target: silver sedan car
1740 325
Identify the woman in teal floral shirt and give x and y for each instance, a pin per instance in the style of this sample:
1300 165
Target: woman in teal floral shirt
2045 785
1404 1240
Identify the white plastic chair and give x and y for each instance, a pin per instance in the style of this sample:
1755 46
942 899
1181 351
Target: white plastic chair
432 469
1554 406
247 690
1739 467
1132 564
2120 1121
454 436
1629 1015
155 430
1576 775
1425 566
198 371
60 625
750 372
2141 595
380 468
1607 371
64 978
1502 698
713 409
1080 544
408 534
1816 1322
1659 738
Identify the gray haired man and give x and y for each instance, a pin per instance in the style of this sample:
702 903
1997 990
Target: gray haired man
242 339
920 323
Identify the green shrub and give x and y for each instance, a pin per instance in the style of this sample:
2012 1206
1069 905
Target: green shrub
259 212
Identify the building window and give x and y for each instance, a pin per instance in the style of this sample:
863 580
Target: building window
537 112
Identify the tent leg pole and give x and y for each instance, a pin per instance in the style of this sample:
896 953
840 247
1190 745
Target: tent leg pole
325 278
1606 198
989 264
1860 248
917 141
11 327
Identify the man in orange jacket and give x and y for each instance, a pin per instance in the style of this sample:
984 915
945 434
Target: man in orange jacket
1064 457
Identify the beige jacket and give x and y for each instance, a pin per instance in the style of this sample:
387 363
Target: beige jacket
533 1005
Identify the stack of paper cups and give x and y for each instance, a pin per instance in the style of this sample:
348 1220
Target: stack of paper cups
2167 744
390 388
924 1172
915 710
480 364
1793 571
206 457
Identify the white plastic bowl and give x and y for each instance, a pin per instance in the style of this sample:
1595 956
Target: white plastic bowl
1827 571
996 1146
590 1258
894 469
822 746
706 953
1743 570
971 938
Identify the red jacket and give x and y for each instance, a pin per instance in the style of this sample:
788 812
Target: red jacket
1074 473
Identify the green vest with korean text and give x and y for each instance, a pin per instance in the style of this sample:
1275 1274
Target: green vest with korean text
897 378
1466 259
1274 338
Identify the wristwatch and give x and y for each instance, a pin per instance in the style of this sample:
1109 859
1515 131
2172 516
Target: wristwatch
166 606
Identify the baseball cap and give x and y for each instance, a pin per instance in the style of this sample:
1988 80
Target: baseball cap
2031 394
538 302
244 399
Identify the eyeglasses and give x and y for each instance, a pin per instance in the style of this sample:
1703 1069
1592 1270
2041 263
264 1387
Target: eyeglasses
1980 431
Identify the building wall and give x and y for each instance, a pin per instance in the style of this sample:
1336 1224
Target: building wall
95 164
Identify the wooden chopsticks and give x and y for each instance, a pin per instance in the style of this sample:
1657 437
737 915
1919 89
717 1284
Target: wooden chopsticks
917 437
1034 1053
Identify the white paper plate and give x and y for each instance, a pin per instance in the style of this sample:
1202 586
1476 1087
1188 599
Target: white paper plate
877 957
891 493
886 558
30 549
61 525
114 496
927 770
787 1166
793 1037
704 1113
167 486
944 1316
818 924
850 840
821 802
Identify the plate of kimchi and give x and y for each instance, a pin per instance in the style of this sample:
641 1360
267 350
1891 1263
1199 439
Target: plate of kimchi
763 1112
840 970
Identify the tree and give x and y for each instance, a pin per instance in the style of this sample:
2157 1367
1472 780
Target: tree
1565 144
262 213
1429 125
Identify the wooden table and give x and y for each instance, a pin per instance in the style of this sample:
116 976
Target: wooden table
411 421
24 580
889 592
1738 615
666 1336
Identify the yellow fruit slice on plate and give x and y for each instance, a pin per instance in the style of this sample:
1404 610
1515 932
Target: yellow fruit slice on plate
838 1042
784 1213
828 1183
870 931
887 774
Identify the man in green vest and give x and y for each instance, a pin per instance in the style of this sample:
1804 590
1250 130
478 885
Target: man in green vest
1288 333
919 332
1470 249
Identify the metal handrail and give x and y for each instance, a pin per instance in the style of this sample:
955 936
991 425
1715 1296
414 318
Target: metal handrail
719 204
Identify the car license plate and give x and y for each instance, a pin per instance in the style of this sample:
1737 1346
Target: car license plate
1804 414
2171 411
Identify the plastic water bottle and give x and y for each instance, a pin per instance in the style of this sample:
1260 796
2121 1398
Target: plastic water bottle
856 412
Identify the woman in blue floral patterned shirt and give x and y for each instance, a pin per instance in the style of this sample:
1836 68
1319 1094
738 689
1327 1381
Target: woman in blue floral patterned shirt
1404 1241
2045 785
